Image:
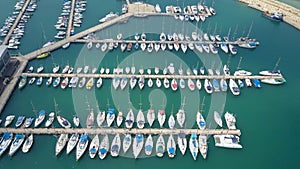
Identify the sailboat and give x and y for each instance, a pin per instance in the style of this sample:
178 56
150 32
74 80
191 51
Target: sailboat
160 146
126 142
138 144
119 119
5 142
72 142
81 146
194 145
234 87
150 116
16 144
171 146
140 119
61 120
40 118
100 117
203 145
27 144
110 117
149 145
115 146
104 147
182 142
61 143
161 115
94 146
90 119
129 119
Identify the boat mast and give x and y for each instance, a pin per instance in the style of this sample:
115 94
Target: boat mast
183 103
250 29
33 108
277 63
56 106
202 105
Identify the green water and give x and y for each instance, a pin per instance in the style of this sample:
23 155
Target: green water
268 117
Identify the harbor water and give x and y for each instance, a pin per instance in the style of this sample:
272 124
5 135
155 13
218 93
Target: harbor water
267 117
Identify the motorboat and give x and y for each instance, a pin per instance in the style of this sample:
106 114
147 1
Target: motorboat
72 142
61 143
274 16
224 47
230 121
171 146
40 118
140 119
194 145
64 83
81 146
256 83
200 121
161 115
182 142
90 83
227 141
127 142
27 144
242 73
203 145
110 117
5 142
217 118
22 82
104 147
149 145
50 119
129 119
115 146
216 85
138 144
8 120
157 8
56 82
63 122
116 82
180 116
16 144
160 146
150 116
108 17
94 146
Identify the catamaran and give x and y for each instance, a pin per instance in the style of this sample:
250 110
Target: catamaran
94 146
227 141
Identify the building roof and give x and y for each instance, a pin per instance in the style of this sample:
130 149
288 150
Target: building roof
2 49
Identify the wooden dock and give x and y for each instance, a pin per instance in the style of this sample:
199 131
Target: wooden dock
147 76
70 24
12 28
50 131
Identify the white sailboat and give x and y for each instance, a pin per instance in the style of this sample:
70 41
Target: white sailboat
150 116
104 147
61 143
115 146
90 119
149 145
5 142
50 119
76 120
158 82
171 121
180 116
194 146
129 119
166 83
200 121
72 142
161 115
100 117
140 119
182 142
94 146
16 144
230 121
127 142
110 117
27 144
203 145
218 118
81 146
119 119
234 87
138 144
160 146
40 118
191 84
171 146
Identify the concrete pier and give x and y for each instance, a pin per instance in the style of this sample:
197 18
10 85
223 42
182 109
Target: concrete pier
70 24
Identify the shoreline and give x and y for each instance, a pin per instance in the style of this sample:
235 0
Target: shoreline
291 14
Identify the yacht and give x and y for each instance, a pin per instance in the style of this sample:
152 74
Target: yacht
182 142
5 142
180 116
138 144
27 144
140 119
200 121
150 117
40 118
218 118
104 147
161 115
149 145
203 145
274 81
61 142
72 142
194 145
63 122
129 119
160 146
50 119
127 142
81 146
94 146
171 146
270 73
115 146
230 121
8 120
108 17
16 144
227 141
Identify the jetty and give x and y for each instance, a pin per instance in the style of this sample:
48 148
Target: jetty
291 14
51 131
70 24
149 76
12 28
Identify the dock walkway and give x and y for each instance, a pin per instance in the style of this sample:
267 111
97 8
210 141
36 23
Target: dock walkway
12 28
152 76
50 131
70 24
